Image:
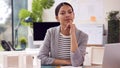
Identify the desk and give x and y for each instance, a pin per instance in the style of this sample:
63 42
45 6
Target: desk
92 67
19 59
71 67
23 56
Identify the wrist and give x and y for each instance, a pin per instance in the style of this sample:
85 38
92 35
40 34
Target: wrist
67 62
72 33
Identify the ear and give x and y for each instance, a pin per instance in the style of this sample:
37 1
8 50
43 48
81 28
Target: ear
73 15
57 18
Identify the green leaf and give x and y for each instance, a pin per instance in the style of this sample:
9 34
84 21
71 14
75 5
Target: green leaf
23 13
47 3
37 11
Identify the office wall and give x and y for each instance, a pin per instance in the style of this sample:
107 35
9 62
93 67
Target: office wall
110 5
106 6
82 8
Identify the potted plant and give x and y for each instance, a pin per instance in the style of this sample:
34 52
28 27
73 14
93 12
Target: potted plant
23 42
113 27
37 9
36 13
23 13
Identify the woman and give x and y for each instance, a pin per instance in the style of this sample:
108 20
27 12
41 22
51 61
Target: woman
64 45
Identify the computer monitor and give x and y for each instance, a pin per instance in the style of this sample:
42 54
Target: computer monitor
40 28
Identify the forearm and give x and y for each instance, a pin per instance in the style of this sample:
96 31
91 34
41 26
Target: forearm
61 62
74 44
77 57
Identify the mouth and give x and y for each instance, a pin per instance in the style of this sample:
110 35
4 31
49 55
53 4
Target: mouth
68 20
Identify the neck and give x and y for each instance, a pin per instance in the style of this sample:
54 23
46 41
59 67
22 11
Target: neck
64 32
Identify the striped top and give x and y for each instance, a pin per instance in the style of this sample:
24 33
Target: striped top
64 47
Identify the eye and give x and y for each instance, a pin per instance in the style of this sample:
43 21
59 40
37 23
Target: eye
62 13
70 12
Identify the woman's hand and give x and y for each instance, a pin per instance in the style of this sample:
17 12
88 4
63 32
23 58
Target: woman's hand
67 62
61 62
71 28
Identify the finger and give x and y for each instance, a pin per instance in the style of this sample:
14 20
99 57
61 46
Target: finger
67 26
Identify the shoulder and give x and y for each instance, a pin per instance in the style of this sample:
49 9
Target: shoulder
81 33
82 37
53 29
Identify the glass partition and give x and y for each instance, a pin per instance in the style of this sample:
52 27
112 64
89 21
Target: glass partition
19 30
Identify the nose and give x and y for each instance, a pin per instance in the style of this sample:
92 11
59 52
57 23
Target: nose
67 15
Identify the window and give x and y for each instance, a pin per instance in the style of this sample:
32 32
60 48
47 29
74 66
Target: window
5 21
9 10
19 30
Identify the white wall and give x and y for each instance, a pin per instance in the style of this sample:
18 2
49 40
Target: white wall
29 5
110 5
81 9
106 6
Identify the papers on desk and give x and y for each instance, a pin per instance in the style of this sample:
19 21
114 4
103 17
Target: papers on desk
70 67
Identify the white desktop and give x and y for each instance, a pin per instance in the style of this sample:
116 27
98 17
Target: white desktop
38 43
35 44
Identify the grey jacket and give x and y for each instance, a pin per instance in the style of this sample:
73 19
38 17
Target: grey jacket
48 52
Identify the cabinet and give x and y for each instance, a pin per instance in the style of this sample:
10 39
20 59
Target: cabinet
21 59
94 55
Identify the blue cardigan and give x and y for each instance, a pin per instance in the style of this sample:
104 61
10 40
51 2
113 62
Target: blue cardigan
49 49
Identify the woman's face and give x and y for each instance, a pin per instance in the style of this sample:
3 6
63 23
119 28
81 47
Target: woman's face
65 15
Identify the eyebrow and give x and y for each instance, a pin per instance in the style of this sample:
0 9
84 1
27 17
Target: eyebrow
64 10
